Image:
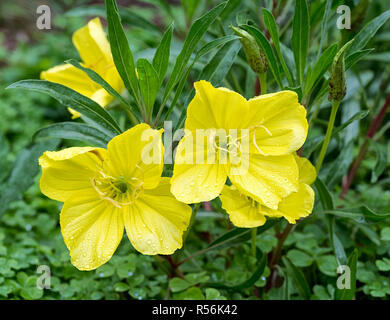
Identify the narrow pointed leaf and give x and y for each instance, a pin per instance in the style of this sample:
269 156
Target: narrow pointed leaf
149 83
161 57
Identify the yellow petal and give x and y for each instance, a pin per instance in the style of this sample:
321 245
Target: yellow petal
92 44
243 212
137 154
67 172
196 182
92 230
279 123
71 77
307 172
268 178
295 206
215 108
155 222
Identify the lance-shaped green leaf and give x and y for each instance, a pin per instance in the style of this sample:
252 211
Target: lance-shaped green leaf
23 174
367 32
381 161
91 112
337 81
320 67
300 37
273 29
196 32
99 80
149 83
348 279
299 278
74 131
267 49
161 56
214 44
324 26
121 52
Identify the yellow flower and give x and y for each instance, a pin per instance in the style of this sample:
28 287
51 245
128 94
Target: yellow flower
94 49
107 190
258 161
245 212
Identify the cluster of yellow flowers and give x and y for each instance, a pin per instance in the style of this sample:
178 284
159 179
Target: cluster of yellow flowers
108 190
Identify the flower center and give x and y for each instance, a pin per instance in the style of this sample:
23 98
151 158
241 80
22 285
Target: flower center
118 191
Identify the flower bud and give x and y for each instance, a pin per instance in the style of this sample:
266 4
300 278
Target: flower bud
337 82
255 57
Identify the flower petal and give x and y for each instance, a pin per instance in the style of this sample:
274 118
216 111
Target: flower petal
69 171
295 206
215 108
194 182
92 44
307 172
137 154
156 221
279 122
267 179
92 230
242 211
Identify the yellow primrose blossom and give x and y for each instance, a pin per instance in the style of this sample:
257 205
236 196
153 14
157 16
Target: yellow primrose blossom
245 212
94 49
108 190
272 127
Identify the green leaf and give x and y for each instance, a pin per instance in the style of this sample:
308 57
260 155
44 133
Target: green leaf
300 37
262 262
161 57
272 27
99 80
263 43
300 258
385 234
121 52
23 174
299 278
324 26
121 287
381 161
91 112
383 265
178 284
356 56
320 67
209 46
129 16
149 84
349 294
367 32
324 194
196 32
74 131
327 265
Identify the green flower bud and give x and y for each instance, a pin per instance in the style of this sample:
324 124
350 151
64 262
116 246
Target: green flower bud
337 82
255 57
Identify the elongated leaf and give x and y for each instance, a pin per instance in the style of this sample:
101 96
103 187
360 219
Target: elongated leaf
324 194
214 44
320 67
381 161
23 174
74 131
99 80
299 278
161 57
272 27
149 83
121 52
129 16
349 294
324 26
263 43
356 56
196 32
367 32
300 37
90 111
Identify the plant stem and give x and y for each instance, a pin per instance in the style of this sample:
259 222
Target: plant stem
328 135
263 82
253 241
